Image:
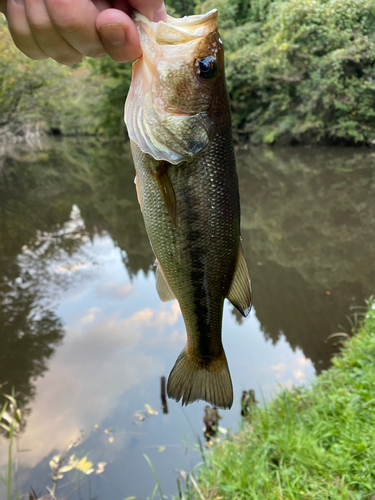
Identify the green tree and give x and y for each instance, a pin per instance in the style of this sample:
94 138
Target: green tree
43 94
301 71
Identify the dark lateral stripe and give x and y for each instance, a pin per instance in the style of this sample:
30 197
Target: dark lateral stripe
197 276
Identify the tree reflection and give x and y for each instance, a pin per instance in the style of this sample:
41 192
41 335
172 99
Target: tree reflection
38 232
308 228
108 200
29 329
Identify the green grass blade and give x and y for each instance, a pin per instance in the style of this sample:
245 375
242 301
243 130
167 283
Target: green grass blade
155 475
154 492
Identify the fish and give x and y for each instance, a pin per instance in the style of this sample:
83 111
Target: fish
177 114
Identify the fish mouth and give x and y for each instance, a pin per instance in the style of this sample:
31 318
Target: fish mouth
177 31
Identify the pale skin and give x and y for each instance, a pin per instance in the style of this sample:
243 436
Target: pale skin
67 30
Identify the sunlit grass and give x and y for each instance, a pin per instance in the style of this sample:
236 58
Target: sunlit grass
308 443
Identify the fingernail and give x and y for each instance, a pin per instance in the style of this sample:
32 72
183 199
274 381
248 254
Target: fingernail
113 33
20 2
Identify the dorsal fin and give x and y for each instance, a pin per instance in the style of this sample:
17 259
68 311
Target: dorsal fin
162 287
240 289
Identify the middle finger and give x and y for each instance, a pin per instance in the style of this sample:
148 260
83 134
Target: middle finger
75 21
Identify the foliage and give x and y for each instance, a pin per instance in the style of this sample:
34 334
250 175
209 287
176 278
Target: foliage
307 443
43 93
180 8
301 71
297 72
109 109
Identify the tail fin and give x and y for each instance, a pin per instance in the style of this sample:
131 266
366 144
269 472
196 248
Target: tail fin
193 378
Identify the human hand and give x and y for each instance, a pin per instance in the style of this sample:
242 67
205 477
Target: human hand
67 30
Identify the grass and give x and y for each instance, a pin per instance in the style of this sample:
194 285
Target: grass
157 486
13 420
308 443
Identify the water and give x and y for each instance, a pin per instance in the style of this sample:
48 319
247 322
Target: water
84 338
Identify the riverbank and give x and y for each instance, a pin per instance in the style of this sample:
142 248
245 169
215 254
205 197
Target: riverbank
308 443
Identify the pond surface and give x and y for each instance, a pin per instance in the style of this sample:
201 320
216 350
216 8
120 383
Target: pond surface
84 338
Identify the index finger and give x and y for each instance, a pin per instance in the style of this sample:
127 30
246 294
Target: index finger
154 10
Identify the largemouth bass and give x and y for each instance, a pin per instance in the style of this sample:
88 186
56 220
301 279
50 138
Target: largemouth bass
178 119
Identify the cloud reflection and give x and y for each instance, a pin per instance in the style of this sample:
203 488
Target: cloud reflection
101 358
114 291
294 373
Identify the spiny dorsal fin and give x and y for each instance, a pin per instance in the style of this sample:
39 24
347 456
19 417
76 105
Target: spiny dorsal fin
162 287
240 290
166 189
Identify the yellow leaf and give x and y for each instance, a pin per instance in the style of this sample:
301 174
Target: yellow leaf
161 448
150 410
66 468
84 465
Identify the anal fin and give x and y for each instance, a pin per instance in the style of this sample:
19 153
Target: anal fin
166 189
240 294
164 291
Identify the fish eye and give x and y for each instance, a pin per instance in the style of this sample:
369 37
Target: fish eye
207 67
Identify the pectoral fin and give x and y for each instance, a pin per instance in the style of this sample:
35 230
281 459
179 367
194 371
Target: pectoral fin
240 290
138 188
162 287
166 189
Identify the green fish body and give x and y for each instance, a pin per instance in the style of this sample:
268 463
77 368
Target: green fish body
188 191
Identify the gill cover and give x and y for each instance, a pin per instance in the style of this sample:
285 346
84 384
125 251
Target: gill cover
166 108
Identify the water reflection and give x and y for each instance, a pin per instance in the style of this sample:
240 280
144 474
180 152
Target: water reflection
65 215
